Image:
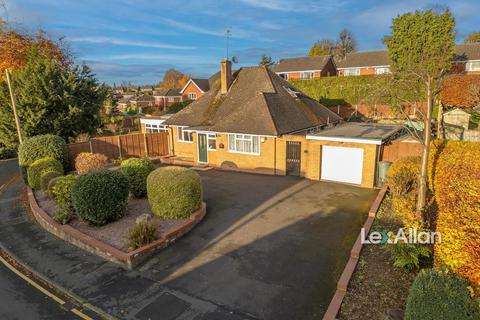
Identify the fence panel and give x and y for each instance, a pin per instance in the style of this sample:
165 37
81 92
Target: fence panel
400 149
157 144
107 146
74 149
133 145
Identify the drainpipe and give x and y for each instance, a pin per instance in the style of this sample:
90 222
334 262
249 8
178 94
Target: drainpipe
275 156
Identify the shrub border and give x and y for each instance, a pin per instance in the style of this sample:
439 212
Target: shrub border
104 250
342 284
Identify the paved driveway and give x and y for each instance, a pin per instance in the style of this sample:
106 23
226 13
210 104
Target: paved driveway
269 247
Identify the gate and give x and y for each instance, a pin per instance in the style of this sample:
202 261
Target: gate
293 157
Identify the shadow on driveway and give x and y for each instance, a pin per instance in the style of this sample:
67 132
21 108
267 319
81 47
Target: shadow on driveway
269 247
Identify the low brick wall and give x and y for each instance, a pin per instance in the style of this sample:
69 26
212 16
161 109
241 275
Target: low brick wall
347 273
90 244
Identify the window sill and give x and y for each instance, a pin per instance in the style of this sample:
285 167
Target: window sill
245 153
185 141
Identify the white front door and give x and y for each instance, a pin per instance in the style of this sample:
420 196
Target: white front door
342 164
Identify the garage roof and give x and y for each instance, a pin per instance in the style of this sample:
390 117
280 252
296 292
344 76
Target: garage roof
357 132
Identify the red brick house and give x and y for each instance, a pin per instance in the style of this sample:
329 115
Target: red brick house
306 67
196 88
167 97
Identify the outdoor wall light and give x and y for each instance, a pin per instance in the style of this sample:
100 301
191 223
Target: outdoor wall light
221 146
263 139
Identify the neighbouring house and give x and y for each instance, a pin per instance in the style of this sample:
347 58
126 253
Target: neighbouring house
142 101
153 124
196 88
256 121
123 103
306 67
165 98
466 60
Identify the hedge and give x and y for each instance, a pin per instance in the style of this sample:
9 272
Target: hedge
41 146
61 190
438 295
456 181
137 170
174 192
100 196
86 162
457 90
40 167
47 177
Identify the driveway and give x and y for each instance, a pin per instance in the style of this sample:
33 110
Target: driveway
269 248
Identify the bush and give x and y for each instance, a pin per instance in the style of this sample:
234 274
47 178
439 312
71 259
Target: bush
86 162
38 147
47 177
404 208
409 255
7 153
100 196
174 192
402 177
137 170
40 167
61 191
141 234
439 295
63 216
456 180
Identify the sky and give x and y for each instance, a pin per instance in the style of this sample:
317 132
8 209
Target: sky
137 41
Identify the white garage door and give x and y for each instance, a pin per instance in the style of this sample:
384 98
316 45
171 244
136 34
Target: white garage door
342 164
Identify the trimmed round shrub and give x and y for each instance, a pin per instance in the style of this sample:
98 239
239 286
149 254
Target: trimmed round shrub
38 147
137 170
86 162
174 192
100 196
47 177
40 167
438 295
51 185
61 191
402 176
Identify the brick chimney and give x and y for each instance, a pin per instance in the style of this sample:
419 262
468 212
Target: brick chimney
225 75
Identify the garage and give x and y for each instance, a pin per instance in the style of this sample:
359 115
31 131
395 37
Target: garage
342 164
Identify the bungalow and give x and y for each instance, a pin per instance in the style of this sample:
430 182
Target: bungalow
165 98
196 88
256 121
142 101
306 67
466 59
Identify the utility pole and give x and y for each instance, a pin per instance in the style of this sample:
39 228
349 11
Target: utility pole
14 106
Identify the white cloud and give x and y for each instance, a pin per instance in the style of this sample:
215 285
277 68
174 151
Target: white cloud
132 43
289 6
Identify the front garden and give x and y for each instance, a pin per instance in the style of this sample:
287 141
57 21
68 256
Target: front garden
424 281
126 207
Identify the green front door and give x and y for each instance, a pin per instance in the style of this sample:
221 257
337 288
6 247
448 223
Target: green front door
202 148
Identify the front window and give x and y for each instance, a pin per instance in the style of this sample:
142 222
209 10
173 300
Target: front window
306 75
284 75
185 135
154 128
243 143
211 141
192 96
382 70
352 72
170 99
473 66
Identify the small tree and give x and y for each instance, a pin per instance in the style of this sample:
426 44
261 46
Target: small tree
421 48
266 61
346 43
322 47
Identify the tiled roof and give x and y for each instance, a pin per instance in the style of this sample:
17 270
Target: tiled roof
258 102
301 64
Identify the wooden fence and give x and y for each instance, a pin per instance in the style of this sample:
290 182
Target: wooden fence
124 146
397 149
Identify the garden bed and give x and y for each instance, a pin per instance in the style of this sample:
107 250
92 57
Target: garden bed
376 286
109 241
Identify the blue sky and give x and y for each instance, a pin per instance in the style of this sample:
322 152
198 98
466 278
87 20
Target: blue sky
137 41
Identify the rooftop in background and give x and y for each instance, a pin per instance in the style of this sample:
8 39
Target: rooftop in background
360 132
167 93
301 64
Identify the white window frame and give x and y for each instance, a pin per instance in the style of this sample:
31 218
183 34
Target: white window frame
354 71
181 137
472 66
154 128
243 137
382 70
306 75
192 96
211 136
170 99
